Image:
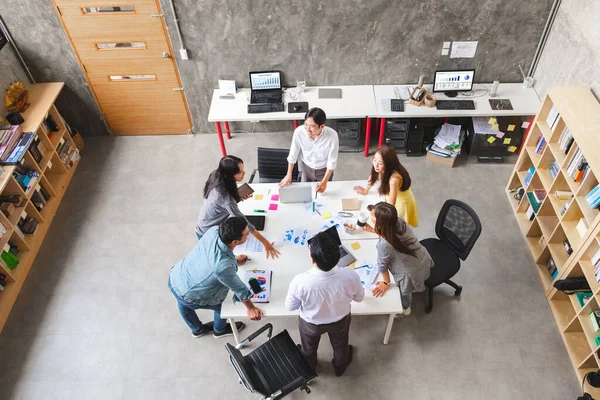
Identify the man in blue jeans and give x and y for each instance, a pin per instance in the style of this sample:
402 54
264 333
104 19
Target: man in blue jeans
202 279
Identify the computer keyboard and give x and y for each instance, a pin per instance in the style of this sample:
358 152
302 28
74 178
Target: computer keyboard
343 252
455 105
397 105
265 108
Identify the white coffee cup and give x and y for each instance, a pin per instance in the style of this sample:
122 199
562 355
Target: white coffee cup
363 217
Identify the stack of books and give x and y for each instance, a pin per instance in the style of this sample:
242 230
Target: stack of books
567 204
593 197
595 317
565 141
553 117
553 168
529 175
8 140
27 225
577 168
596 264
68 153
551 266
536 199
40 197
540 146
38 150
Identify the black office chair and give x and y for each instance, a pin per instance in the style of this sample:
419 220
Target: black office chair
457 229
273 165
274 369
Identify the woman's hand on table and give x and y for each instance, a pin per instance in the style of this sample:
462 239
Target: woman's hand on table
271 250
380 288
360 190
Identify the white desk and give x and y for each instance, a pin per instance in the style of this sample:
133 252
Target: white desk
295 259
524 102
357 102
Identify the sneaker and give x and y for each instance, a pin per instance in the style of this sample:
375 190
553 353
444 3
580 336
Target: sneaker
340 371
206 328
228 331
406 313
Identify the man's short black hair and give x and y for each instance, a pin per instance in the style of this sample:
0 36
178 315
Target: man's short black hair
324 251
232 229
317 115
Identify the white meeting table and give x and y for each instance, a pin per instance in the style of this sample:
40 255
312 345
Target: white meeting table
295 259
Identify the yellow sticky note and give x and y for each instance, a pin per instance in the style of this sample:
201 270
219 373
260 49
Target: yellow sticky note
491 139
326 214
492 121
510 128
495 127
258 197
507 141
352 265
512 148
355 246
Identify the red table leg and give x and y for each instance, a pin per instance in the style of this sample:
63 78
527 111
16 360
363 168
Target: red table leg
381 131
220 135
227 131
368 137
295 124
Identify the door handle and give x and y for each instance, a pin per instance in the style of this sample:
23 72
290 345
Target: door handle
166 55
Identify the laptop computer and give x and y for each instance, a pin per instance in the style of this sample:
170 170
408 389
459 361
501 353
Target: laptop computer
265 87
295 194
257 220
346 258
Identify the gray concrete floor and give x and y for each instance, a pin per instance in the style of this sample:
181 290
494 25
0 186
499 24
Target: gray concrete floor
95 319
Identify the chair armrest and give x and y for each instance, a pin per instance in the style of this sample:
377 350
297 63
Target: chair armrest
253 336
252 176
290 387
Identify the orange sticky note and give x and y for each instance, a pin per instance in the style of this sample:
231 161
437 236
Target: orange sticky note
507 141
355 246
258 197
492 121
495 127
510 128
512 148
491 139
352 265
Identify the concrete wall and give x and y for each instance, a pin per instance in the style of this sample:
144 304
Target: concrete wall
324 42
37 31
572 52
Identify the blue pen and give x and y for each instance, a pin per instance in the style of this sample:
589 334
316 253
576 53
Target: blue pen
362 266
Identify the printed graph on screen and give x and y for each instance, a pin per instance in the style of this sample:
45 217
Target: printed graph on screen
265 80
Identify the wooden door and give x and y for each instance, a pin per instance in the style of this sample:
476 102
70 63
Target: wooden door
129 64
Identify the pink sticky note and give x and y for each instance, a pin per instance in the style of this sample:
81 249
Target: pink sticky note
275 197
500 135
525 125
273 206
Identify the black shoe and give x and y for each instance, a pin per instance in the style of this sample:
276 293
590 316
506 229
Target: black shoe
340 371
206 328
228 331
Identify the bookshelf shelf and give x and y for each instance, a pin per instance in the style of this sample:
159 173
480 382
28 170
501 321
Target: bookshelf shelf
54 179
569 166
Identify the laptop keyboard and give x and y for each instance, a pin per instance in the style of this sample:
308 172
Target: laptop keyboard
343 252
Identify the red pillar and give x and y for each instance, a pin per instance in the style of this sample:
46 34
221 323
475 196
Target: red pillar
227 131
220 136
368 137
295 124
381 132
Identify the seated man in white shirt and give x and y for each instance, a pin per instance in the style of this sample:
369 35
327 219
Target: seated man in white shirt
323 295
318 144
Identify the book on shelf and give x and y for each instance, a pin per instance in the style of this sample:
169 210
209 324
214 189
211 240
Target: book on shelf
540 194
593 197
566 140
540 146
27 225
595 317
553 117
530 213
568 247
20 148
10 141
552 269
553 168
529 176
596 258
583 297
567 205
582 227
563 194
535 204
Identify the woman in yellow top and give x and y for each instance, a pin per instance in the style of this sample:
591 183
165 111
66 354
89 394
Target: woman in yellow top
395 184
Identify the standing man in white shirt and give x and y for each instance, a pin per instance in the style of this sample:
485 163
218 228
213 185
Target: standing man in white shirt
323 295
318 144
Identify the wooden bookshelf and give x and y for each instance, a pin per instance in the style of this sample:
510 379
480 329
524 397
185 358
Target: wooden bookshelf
54 178
556 219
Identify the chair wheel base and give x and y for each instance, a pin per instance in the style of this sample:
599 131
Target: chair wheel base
458 291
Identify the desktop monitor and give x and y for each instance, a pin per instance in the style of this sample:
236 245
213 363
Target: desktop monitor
267 80
452 82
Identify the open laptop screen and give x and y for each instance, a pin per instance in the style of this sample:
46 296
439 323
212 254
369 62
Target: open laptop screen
265 80
332 231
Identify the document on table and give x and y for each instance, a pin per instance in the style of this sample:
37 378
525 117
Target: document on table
251 245
463 49
449 135
367 273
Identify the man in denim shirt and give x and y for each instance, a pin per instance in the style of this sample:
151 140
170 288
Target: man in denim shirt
202 279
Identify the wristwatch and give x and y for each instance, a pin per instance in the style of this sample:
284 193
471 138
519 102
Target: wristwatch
386 283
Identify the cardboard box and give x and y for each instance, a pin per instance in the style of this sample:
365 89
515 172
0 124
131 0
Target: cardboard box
446 161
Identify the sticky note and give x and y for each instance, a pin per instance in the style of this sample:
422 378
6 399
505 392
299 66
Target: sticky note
275 197
445 52
495 127
273 207
258 197
491 139
352 265
525 125
355 246
512 148
446 45
500 135
510 128
492 121
326 214
507 141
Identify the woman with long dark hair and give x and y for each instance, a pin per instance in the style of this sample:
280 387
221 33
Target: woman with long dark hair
220 201
395 184
398 252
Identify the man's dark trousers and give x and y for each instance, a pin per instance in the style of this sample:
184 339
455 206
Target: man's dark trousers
310 335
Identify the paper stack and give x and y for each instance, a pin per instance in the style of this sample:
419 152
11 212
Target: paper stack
448 141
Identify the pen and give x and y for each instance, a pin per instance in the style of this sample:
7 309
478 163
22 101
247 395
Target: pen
316 193
262 211
362 266
313 206
318 212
